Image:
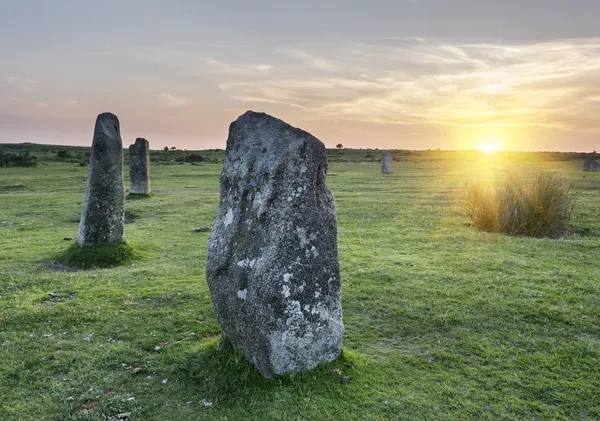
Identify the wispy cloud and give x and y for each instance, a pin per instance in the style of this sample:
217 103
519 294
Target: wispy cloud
239 70
24 84
72 102
417 81
171 101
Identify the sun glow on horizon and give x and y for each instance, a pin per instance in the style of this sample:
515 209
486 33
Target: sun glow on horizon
489 147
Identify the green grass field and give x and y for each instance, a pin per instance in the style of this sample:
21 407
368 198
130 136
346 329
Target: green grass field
443 322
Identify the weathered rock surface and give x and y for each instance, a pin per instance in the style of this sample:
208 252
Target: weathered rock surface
590 164
103 211
139 167
386 163
272 266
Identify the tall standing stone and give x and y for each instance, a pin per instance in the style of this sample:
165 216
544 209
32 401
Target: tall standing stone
139 167
590 164
103 211
386 163
272 266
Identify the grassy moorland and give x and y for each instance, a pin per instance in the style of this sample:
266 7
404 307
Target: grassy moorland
443 322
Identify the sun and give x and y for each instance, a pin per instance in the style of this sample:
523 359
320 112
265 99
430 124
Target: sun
488 147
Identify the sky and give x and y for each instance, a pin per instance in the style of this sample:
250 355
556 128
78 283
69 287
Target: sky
402 74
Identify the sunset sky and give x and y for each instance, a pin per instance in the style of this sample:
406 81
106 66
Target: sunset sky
406 74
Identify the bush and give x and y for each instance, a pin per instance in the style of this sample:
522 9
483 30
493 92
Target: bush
17 160
541 207
64 155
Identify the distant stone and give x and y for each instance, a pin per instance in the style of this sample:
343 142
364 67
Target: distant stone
386 163
272 265
190 187
103 211
201 229
345 379
139 167
590 164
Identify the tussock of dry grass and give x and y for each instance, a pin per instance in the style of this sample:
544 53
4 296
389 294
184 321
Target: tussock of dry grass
538 207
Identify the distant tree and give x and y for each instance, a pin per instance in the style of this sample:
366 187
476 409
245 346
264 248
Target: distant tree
166 148
339 146
173 148
63 154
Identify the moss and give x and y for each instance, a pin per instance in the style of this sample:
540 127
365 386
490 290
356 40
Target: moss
109 255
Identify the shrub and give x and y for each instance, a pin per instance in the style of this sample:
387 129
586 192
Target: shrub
17 160
540 207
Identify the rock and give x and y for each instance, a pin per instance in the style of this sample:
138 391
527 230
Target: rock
201 229
103 205
139 167
272 264
345 379
590 164
386 163
190 187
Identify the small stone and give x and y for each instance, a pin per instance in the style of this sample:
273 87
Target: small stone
70 398
131 399
207 404
157 348
386 403
190 187
164 381
47 335
136 370
345 379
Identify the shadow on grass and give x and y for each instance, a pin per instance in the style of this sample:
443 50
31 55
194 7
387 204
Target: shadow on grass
139 196
224 373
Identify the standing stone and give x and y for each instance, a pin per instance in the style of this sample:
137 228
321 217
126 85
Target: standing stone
103 211
139 167
386 163
272 265
590 164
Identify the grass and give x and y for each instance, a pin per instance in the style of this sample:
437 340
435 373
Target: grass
538 206
443 321
105 256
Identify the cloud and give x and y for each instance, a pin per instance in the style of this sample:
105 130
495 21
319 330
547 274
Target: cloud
72 102
240 70
23 84
428 82
310 60
173 101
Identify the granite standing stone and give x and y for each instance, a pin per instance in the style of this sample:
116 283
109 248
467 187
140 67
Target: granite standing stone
386 163
272 266
590 164
103 211
139 167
